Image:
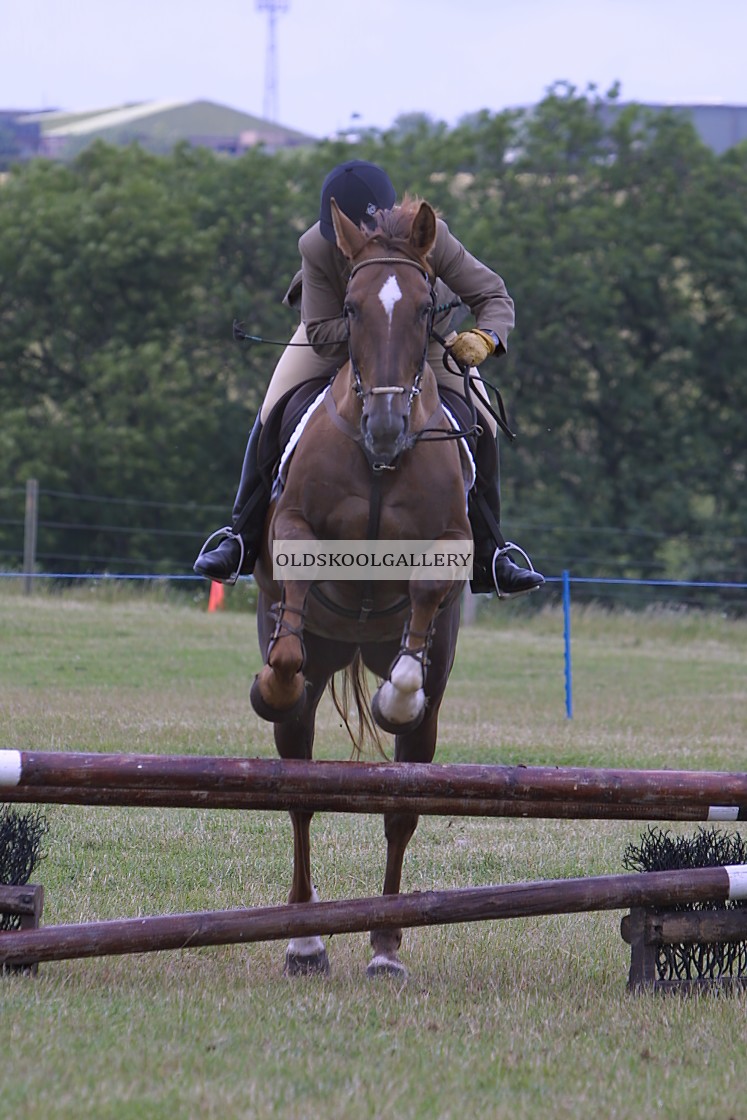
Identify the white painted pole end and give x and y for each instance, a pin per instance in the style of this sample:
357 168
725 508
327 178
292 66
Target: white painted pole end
723 813
737 881
10 768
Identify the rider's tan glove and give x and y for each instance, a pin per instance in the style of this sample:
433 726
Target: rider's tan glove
470 348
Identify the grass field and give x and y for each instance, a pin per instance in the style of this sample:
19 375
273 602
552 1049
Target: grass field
518 1019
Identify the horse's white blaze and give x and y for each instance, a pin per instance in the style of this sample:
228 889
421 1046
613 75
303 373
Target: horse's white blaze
306 946
398 706
389 295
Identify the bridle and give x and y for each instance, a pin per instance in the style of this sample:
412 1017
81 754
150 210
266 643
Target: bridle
428 432
380 390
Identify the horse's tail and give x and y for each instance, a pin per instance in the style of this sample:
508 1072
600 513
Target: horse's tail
355 694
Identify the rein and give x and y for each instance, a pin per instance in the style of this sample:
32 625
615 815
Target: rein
426 434
499 416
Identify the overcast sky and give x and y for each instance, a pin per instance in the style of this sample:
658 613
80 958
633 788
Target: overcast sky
375 58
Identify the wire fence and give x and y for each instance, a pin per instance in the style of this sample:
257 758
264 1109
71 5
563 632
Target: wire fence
85 537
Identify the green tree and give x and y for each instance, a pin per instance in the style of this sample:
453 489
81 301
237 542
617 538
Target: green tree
594 228
101 263
622 239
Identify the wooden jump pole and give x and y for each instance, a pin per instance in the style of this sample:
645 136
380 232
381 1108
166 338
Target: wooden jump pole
473 904
352 786
361 803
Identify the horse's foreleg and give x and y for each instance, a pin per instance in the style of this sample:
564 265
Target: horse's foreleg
399 704
278 690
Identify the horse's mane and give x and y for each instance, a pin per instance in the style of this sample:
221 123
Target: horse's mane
392 229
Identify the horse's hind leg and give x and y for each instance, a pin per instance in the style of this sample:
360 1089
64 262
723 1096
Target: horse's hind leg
304 955
295 739
398 829
415 746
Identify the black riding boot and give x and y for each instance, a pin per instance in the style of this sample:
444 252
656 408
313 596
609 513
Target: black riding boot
238 550
493 570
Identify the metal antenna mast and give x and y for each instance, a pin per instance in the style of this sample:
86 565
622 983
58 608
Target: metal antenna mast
270 103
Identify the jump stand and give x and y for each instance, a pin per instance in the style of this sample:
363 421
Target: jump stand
26 903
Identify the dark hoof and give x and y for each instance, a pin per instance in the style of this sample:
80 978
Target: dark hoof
275 715
387 725
386 966
298 964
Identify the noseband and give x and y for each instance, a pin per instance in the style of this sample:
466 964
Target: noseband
379 390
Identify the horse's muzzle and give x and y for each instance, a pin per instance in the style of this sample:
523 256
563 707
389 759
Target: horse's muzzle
384 432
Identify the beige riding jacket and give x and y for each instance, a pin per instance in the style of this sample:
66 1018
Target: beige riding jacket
323 278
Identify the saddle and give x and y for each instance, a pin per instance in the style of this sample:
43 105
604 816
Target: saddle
287 413
282 422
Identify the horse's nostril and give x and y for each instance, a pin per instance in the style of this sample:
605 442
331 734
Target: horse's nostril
383 429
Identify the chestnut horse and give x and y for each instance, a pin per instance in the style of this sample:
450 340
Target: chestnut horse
376 459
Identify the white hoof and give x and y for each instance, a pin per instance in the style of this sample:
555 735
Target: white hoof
306 963
407 674
400 707
305 955
381 965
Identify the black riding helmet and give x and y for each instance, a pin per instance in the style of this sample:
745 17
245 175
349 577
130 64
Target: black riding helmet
359 189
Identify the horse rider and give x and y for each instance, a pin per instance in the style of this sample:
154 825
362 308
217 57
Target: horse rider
360 189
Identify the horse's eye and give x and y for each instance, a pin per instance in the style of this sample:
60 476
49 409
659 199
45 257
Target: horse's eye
348 311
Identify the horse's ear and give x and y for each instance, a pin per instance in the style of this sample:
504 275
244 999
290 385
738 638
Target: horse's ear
349 238
423 232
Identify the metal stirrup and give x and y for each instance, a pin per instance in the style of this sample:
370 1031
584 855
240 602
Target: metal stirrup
226 533
499 552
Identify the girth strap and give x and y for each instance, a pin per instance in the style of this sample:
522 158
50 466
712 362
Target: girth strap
372 534
335 608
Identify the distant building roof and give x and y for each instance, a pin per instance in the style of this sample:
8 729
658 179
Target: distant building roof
719 126
79 124
158 126
17 141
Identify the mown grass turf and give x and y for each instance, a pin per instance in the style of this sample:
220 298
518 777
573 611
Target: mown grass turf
526 1018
